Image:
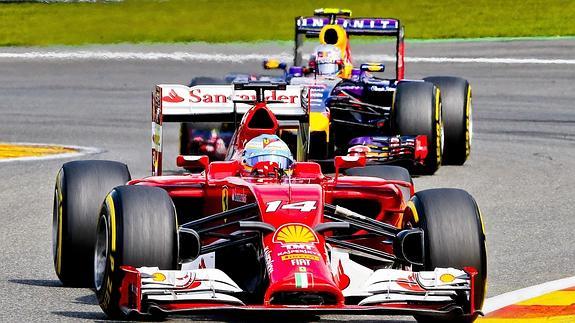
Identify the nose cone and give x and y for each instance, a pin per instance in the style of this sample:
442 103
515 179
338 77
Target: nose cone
299 273
304 288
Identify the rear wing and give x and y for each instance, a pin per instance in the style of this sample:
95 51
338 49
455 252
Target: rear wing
214 103
310 27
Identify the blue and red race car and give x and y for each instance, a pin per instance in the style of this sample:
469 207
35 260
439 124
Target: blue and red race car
419 124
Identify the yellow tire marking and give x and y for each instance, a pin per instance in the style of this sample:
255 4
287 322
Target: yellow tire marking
481 220
59 233
110 204
467 123
485 248
438 126
393 103
18 151
413 209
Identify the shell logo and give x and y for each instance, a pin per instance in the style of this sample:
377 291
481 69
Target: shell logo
447 278
295 233
158 277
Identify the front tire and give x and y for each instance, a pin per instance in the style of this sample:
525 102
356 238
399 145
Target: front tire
456 113
417 111
138 228
454 236
81 186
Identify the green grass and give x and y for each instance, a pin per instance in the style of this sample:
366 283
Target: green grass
253 20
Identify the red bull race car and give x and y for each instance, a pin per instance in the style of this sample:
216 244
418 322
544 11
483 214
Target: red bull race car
261 231
351 108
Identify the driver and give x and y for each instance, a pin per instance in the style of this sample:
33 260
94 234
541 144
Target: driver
328 61
267 155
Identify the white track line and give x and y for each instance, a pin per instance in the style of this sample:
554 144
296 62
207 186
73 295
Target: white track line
494 303
148 56
215 57
485 60
81 151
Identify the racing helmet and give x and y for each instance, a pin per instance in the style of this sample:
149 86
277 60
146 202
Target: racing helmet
328 60
267 150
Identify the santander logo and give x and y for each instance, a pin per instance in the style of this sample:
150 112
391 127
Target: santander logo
173 97
199 96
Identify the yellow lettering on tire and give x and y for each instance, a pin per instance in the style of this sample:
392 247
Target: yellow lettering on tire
468 122
413 209
107 293
59 233
112 212
485 247
438 125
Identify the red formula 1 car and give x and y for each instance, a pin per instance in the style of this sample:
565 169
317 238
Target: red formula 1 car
263 232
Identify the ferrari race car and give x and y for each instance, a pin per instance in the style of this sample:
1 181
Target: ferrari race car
262 231
351 107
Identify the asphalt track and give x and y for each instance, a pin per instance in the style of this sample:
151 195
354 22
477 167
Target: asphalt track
521 171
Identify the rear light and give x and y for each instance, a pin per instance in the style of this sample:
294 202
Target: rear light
420 147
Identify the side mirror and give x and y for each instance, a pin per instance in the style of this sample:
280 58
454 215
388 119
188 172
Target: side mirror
372 67
193 161
344 162
274 64
358 150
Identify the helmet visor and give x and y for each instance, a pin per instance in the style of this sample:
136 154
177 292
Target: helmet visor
328 68
282 161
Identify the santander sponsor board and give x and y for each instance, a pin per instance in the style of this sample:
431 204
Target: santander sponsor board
199 96
205 99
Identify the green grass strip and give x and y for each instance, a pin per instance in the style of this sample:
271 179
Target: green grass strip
134 21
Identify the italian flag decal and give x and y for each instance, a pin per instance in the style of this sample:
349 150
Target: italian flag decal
303 280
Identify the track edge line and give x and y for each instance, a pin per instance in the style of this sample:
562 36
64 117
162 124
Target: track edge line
500 301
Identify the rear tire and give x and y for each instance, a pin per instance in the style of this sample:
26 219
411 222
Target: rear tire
81 186
417 111
456 113
385 172
454 236
137 227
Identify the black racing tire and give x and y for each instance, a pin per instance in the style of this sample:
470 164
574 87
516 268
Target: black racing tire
186 127
137 227
386 172
417 111
453 236
81 186
457 122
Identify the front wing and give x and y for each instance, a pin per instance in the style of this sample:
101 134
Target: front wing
388 149
150 291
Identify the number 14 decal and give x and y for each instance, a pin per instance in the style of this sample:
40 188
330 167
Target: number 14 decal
305 206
